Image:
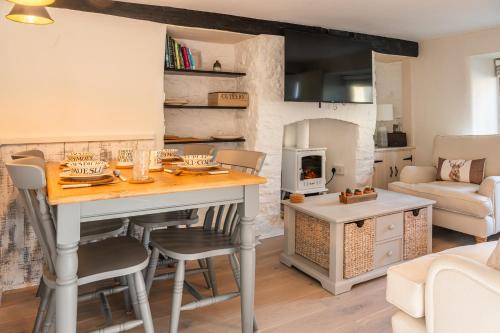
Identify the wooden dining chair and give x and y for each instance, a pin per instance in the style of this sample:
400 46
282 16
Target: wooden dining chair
218 236
89 232
92 231
97 261
185 217
198 149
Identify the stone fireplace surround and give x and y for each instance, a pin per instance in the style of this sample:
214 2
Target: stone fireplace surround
262 58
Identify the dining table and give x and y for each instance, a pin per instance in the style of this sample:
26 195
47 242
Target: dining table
121 199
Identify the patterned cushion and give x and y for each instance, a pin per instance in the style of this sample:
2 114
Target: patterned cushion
466 171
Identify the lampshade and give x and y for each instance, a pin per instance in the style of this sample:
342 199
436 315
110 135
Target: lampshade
30 15
33 2
385 112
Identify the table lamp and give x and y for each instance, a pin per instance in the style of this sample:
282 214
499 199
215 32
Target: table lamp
385 112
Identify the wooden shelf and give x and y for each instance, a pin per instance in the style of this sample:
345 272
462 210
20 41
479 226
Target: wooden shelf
181 141
204 107
198 72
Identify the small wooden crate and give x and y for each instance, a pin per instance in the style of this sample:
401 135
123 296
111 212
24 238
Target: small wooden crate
312 239
237 99
415 233
359 247
358 198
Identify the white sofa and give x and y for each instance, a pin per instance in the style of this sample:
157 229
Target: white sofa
448 292
468 208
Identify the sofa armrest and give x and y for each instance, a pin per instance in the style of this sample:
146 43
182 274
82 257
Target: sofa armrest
461 295
418 174
488 186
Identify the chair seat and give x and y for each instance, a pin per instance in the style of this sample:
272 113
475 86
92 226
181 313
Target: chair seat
451 196
192 243
107 259
406 282
98 230
167 219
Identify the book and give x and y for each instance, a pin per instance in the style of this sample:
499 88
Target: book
167 53
191 60
180 62
185 58
171 50
176 61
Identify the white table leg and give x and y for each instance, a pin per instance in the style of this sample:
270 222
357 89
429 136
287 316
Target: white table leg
68 236
247 211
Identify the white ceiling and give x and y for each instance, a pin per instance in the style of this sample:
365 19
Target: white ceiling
407 19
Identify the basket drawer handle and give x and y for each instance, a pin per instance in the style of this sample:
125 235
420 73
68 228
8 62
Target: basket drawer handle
391 227
415 212
360 224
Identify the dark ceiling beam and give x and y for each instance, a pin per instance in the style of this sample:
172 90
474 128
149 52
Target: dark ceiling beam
207 20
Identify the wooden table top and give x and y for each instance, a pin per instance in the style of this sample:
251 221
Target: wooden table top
327 207
164 183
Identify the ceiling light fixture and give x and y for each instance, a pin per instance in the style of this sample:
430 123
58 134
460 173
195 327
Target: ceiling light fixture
30 15
33 2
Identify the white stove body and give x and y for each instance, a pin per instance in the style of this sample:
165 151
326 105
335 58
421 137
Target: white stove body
303 170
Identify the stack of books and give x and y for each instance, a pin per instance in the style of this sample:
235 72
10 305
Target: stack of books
178 56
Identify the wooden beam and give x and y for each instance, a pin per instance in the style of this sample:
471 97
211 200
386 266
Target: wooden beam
207 20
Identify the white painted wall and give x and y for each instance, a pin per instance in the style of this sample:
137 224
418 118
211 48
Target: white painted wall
86 76
389 85
341 140
441 100
484 94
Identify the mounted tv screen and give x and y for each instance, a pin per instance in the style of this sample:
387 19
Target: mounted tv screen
326 68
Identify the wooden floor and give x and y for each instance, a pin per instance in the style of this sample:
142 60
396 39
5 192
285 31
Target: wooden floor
286 301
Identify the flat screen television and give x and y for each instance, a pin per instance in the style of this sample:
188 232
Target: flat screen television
326 68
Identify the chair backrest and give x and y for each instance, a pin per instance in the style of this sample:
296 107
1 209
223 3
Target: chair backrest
28 175
228 221
28 153
198 149
469 147
244 160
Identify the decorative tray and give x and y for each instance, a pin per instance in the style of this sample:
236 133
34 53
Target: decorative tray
355 198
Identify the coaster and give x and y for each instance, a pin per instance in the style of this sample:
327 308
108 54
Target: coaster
145 181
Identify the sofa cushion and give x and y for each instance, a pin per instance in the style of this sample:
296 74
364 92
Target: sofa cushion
406 282
451 196
467 171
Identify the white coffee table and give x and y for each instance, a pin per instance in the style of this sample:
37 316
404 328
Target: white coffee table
342 245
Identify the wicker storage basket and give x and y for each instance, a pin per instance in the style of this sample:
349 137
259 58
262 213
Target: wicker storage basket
415 233
312 239
359 244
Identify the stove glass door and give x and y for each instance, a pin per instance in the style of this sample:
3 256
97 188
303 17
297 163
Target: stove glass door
311 167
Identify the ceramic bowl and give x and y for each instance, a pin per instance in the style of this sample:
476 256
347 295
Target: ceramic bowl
87 167
169 153
81 156
125 156
197 160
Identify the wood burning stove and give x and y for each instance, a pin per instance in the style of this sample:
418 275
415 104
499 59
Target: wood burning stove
303 170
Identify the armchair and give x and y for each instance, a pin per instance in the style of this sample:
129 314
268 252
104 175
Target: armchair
469 208
450 292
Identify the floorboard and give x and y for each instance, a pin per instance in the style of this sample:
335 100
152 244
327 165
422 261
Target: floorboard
286 301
